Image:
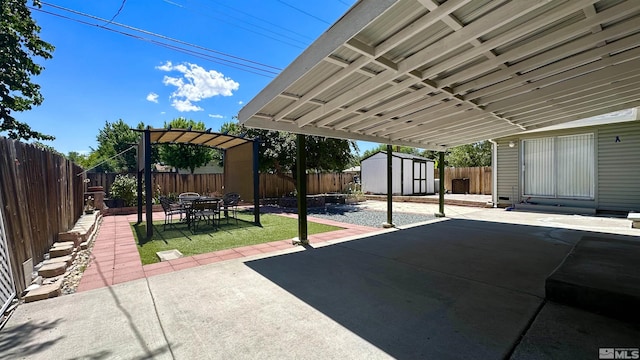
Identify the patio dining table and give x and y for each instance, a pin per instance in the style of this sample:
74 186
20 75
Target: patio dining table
203 203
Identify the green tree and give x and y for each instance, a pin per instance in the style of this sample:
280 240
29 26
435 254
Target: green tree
19 43
77 158
278 151
46 147
185 156
470 155
116 138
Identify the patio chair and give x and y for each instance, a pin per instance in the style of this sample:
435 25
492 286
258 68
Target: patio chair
188 197
170 209
204 209
230 204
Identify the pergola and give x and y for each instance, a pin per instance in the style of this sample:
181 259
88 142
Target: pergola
240 164
434 74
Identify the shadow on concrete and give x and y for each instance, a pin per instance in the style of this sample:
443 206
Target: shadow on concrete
143 343
22 341
451 289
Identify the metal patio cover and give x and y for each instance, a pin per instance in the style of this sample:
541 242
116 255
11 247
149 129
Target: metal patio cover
215 140
434 74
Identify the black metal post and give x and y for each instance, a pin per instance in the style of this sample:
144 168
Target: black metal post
441 190
139 173
147 182
256 182
389 222
301 172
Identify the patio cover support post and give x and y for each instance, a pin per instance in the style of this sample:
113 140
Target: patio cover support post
140 174
147 182
389 223
301 177
256 183
441 190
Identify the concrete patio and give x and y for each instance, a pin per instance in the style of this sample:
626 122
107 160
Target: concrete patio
470 286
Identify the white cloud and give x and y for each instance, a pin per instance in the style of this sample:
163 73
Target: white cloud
196 84
162 112
153 97
165 67
185 105
240 102
216 116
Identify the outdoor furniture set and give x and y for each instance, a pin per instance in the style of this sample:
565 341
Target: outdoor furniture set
192 208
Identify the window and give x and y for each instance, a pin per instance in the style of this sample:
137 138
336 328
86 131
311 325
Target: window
560 166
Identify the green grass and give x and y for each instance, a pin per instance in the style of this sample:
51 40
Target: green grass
208 239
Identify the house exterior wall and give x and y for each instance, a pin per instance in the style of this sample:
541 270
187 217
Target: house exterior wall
617 168
618 171
508 171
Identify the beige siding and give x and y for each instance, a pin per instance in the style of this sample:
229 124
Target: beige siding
619 167
617 172
508 175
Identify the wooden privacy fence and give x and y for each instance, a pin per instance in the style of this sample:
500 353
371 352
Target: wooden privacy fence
271 185
41 197
479 178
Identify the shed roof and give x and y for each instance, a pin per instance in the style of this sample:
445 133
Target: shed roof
434 74
399 155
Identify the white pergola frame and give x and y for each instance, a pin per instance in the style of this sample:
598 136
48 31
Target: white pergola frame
436 74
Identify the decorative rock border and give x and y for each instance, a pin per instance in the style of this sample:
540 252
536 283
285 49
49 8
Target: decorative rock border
68 257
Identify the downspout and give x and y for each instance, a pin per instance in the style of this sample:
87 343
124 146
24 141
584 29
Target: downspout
494 173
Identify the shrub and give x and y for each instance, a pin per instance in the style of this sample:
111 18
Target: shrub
125 188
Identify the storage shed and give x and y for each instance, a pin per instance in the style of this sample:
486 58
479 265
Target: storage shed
412 175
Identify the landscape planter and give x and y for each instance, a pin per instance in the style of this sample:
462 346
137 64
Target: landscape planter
292 202
129 210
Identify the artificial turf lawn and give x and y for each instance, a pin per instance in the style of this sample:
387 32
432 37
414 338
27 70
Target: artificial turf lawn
208 239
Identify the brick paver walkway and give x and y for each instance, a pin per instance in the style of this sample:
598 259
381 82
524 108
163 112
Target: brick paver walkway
115 258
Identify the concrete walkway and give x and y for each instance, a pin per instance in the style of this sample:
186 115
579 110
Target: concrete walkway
465 287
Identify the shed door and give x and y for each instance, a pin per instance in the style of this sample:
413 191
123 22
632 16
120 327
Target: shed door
419 177
7 288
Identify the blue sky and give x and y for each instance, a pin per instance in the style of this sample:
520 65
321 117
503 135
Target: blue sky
97 75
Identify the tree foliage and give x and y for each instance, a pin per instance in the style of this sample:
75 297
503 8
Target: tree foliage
116 138
77 158
184 156
278 150
19 44
470 155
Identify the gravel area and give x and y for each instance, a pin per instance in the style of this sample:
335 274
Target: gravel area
357 215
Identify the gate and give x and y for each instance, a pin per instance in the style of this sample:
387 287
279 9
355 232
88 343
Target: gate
7 288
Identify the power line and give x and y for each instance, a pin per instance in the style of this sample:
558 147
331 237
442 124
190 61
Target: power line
211 58
146 32
220 4
304 12
246 29
265 21
117 13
